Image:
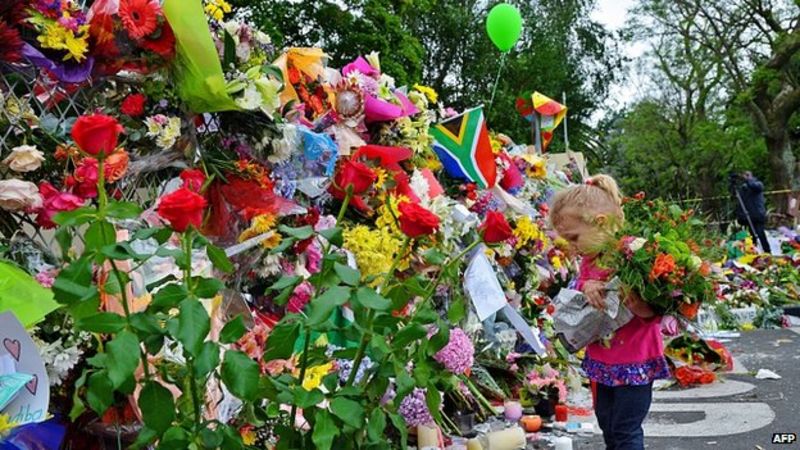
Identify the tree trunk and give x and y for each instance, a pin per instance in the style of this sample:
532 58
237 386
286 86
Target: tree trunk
782 166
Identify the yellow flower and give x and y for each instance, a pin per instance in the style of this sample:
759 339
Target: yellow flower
374 249
249 437
6 424
260 225
429 92
314 376
538 166
497 146
388 211
217 9
747 326
526 232
56 37
556 261
380 172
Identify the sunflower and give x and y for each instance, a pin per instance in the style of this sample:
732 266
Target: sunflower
140 17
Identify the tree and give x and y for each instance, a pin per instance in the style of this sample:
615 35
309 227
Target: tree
443 43
757 46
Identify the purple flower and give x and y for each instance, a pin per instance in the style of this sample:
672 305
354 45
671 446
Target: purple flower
458 355
414 409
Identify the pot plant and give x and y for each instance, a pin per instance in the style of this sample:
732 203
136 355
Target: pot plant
543 388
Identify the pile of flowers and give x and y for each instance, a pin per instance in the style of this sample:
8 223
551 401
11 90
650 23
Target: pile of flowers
280 244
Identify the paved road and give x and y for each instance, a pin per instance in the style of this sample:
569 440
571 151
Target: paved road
741 413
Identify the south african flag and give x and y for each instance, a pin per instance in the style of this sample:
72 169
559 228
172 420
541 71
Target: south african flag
463 146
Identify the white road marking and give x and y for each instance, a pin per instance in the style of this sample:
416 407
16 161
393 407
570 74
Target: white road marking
717 389
796 330
721 419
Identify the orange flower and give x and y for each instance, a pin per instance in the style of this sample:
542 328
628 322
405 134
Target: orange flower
705 269
664 265
689 310
116 165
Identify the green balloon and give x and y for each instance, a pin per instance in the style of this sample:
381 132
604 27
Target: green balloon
504 25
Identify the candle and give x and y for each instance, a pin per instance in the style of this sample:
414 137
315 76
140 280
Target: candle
512 411
532 424
474 444
563 443
427 437
508 439
562 413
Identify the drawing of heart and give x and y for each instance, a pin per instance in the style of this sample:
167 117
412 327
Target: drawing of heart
32 385
13 346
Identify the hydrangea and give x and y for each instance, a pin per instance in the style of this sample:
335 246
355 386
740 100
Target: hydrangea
346 367
414 409
458 355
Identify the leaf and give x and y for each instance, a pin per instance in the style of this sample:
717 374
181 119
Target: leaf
100 392
333 235
219 258
122 251
300 233
123 210
145 234
207 360
169 296
457 310
145 437
285 281
123 357
426 315
440 339
325 430
229 55
74 282
434 400
64 238
349 411
192 325
280 343
75 217
322 306
306 399
157 405
376 426
146 324
207 287
232 331
434 256
78 407
400 424
176 438
422 372
407 335
369 298
211 438
101 323
240 374
347 274
99 234
282 247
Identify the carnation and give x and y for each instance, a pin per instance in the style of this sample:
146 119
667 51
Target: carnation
458 355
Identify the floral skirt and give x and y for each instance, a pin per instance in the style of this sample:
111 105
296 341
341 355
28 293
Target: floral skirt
629 374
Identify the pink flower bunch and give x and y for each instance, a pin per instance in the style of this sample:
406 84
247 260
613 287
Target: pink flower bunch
544 380
314 257
53 202
458 355
300 297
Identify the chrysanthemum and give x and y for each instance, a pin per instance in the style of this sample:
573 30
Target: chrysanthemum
140 17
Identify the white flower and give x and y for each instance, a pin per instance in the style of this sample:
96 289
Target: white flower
16 195
420 187
262 38
637 244
269 89
286 146
249 100
25 158
374 60
165 130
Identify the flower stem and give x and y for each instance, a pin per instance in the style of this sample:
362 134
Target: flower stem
362 347
434 284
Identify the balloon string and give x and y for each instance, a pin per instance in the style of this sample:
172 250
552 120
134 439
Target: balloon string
497 79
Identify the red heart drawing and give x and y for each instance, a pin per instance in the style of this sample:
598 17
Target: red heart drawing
32 385
13 346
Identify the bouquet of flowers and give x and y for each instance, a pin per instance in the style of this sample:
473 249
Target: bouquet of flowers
657 256
543 383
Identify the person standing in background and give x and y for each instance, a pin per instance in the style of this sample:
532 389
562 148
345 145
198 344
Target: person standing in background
751 211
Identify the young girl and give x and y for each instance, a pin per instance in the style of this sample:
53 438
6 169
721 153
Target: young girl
623 372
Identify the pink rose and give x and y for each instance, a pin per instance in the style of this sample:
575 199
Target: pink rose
53 202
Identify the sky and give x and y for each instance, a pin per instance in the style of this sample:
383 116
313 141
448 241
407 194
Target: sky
613 14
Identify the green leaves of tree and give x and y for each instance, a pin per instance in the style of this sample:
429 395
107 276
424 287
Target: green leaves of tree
240 374
122 357
157 405
192 325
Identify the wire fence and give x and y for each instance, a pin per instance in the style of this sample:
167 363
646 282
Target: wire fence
783 208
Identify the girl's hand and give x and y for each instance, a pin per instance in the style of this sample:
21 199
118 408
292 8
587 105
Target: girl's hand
595 292
638 306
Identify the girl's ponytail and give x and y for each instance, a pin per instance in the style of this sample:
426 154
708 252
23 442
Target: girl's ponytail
608 185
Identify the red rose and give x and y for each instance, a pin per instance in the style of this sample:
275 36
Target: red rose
416 221
87 175
133 105
495 228
193 179
54 202
96 133
182 208
356 174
